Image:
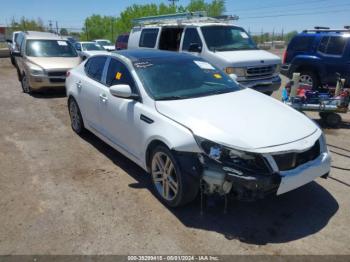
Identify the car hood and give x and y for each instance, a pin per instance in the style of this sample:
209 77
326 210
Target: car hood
49 63
248 57
109 47
95 52
245 119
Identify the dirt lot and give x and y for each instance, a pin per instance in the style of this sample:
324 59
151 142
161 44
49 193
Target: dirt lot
63 194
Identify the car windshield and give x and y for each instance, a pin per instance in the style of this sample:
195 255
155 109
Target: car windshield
181 78
50 48
91 47
227 38
104 42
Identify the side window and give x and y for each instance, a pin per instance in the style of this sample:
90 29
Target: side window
148 38
336 45
118 73
191 37
94 67
302 43
322 47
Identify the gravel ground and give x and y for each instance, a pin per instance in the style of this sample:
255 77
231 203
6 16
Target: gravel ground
63 194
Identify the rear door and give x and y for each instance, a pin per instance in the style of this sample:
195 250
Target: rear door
149 37
88 87
334 52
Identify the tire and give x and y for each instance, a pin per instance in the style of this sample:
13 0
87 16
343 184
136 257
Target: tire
172 186
77 122
310 78
331 119
25 84
13 61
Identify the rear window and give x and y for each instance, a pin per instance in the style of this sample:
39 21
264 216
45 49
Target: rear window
332 45
148 38
302 43
94 67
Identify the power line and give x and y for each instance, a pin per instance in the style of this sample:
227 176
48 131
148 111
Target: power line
280 5
314 8
296 14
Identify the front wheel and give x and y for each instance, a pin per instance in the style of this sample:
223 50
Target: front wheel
75 117
25 84
172 186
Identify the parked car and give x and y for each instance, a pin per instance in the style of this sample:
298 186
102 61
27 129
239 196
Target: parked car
122 42
318 55
87 49
71 39
13 45
200 126
106 44
226 46
43 60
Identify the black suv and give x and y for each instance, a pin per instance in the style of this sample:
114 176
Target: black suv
319 55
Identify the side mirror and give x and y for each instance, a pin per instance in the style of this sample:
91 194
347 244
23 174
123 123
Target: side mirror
195 48
9 41
17 53
122 91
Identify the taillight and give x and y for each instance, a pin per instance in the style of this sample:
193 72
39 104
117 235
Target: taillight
68 74
285 53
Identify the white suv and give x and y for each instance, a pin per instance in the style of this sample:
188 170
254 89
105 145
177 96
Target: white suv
224 45
187 123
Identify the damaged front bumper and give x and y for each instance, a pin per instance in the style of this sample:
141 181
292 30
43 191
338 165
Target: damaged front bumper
250 186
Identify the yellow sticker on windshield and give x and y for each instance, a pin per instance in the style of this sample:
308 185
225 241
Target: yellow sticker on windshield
118 75
217 76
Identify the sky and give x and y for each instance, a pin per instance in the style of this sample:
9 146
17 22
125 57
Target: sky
255 15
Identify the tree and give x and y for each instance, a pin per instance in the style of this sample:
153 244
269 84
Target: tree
63 31
25 24
97 26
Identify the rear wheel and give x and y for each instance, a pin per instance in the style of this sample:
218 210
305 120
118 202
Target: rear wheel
172 186
309 78
75 117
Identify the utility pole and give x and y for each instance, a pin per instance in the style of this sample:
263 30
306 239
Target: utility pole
173 2
87 30
50 26
56 27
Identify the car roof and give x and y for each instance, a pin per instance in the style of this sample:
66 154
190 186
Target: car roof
43 35
317 34
196 24
142 54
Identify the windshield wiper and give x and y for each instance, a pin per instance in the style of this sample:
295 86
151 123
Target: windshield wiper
170 98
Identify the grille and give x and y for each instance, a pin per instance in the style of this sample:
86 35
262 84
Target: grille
292 160
260 71
57 80
57 73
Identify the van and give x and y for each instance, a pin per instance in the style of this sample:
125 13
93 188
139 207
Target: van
43 60
223 44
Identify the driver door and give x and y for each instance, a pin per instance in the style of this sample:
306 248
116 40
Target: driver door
120 117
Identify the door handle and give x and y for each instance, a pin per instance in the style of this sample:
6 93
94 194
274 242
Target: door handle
79 85
103 98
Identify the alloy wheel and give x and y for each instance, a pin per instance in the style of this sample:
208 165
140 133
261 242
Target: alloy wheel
74 116
306 79
164 176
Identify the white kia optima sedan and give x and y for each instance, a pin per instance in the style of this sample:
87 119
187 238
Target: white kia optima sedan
192 127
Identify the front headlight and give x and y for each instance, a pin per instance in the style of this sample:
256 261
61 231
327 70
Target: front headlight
238 71
238 159
36 70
